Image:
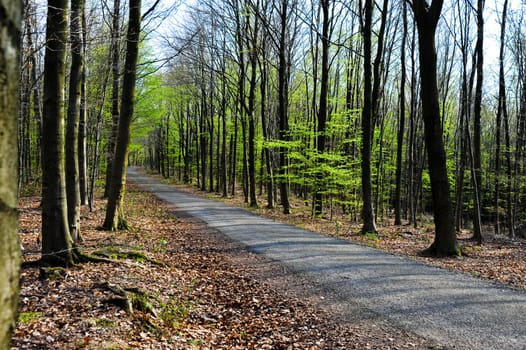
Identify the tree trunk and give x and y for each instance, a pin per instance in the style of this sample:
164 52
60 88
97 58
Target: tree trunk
401 125
251 115
224 177
427 17
323 108
56 239
502 113
477 161
266 150
73 114
367 109
10 20
114 215
115 72
83 157
96 147
283 102
211 128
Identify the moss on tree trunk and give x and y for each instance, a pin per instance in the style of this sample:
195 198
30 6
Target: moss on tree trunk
10 19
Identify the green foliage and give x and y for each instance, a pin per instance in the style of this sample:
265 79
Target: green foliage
372 236
175 311
104 323
28 317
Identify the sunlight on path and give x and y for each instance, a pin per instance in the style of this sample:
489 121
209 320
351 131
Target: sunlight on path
453 309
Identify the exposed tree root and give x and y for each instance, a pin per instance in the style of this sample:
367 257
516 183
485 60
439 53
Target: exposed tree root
129 299
115 253
436 252
65 260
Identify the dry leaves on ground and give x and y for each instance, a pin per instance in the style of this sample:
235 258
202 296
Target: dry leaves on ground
209 293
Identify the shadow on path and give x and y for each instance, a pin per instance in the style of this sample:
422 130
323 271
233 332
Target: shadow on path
453 309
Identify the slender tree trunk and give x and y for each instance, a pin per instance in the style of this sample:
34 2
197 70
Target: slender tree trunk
463 120
96 147
367 208
211 128
224 177
83 157
323 107
477 158
501 114
427 17
203 141
413 126
233 156
10 20
264 127
114 214
73 115
36 85
401 125
251 114
115 72
283 102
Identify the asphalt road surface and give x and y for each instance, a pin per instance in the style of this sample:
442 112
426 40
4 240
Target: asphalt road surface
455 310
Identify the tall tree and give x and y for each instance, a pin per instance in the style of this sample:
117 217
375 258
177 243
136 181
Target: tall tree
114 214
10 20
502 113
56 239
82 150
284 48
401 122
73 116
253 46
323 109
367 116
426 18
115 72
477 108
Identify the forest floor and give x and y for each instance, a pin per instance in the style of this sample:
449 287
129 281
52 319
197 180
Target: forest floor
189 287
202 291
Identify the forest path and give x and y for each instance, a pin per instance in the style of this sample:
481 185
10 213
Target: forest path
455 310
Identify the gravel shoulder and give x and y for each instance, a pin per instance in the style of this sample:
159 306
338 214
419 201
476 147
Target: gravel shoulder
454 310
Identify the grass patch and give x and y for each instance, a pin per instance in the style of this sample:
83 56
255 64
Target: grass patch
175 311
28 317
371 236
104 323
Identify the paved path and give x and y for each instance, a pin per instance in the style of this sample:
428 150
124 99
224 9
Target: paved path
455 310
